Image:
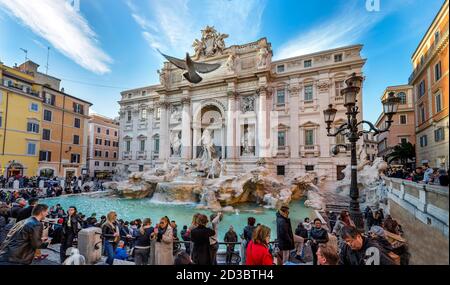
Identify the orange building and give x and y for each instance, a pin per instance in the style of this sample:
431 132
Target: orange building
103 146
63 146
403 127
430 82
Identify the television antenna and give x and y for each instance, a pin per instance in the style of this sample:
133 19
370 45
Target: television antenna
26 53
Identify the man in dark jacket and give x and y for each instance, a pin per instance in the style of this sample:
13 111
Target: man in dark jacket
285 237
17 207
230 236
361 250
24 239
70 228
317 235
25 213
247 236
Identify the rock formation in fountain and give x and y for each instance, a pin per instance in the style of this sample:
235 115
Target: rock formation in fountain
205 181
188 183
368 180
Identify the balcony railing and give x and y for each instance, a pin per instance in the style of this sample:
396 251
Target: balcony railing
20 87
127 155
338 99
141 155
309 149
283 151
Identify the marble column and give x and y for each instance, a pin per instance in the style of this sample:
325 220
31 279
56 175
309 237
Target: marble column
186 135
263 142
294 138
231 126
197 135
164 142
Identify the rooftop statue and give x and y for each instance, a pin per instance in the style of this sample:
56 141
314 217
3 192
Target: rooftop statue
211 43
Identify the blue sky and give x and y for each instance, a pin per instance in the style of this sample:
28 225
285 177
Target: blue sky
109 45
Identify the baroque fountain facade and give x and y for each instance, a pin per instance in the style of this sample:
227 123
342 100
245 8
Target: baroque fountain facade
251 131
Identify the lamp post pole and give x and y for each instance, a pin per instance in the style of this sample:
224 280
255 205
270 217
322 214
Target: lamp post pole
351 130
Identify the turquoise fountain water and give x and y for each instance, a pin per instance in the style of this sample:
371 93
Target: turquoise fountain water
182 213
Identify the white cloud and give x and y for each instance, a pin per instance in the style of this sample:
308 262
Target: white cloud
173 26
341 30
58 23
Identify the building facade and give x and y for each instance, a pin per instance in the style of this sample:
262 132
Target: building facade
252 108
403 127
20 122
370 146
103 146
430 81
65 118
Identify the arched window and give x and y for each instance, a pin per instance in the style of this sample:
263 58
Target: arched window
402 97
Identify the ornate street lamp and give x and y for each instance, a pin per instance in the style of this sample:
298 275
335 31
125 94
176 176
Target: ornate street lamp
351 130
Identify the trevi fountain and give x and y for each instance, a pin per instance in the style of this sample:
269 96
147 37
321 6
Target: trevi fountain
203 185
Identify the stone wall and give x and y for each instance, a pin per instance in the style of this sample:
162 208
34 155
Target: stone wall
422 210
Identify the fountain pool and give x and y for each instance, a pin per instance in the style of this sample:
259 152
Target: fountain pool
129 209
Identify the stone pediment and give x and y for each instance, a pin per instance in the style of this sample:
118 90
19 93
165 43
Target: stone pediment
309 124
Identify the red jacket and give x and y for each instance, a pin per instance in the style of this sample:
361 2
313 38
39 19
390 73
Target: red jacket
258 254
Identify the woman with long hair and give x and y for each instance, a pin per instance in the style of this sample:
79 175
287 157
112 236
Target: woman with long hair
163 235
258 248
110 232
343 220
201 252
142 242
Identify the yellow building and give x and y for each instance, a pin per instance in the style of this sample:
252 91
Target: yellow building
20 123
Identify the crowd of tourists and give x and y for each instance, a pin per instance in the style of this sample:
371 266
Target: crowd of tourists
51 188
421 174
27 226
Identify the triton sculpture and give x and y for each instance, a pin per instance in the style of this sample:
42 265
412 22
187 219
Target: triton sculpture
192 67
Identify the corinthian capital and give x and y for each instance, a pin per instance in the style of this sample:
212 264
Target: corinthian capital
185 101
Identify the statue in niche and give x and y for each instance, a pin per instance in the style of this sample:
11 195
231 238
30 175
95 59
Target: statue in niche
208 147
248 104
246 142
175 143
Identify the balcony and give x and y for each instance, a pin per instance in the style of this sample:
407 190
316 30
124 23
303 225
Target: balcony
313 150
141 155
283 151
20 87
337 100
142 125
127 155
128 126
155 154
